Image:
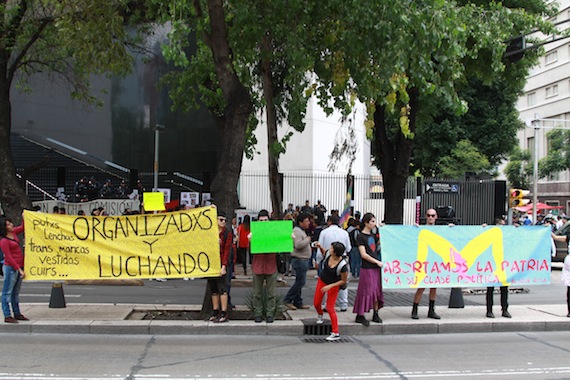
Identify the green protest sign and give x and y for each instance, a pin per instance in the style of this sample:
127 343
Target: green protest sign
273 236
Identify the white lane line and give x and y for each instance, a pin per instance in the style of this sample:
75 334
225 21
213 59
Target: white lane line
48 295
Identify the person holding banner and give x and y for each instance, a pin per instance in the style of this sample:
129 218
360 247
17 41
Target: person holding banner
13 268
504 290
431 217
566 268
264 268
218 284
369 294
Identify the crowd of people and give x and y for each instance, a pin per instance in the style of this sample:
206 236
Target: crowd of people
319 243
88 189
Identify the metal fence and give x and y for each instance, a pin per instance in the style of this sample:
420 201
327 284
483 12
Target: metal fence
473 201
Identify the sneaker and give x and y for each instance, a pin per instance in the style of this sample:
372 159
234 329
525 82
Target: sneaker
290 306
258 319
343 309
303 307
506 314
269 319
490 314
320 320
333 337
186 278
361 319
10 320
20 317
160 279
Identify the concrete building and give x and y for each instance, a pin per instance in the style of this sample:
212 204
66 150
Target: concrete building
547 101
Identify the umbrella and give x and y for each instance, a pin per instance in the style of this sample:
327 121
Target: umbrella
540 206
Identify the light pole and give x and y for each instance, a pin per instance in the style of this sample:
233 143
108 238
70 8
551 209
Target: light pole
157 129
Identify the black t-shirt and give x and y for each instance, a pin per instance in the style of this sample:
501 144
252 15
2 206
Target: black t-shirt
328 275
370 243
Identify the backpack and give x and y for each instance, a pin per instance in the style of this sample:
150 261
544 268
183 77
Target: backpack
339 267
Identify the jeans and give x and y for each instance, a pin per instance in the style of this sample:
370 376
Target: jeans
355 262
300 266
11 291
270 282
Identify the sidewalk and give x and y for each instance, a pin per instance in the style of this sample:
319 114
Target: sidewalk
112 319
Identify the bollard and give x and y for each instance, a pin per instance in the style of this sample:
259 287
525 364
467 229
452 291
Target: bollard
57 299
456 299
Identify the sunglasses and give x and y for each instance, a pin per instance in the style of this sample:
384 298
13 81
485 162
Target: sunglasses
222 219
431 215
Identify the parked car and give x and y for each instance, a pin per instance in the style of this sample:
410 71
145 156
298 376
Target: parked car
561 247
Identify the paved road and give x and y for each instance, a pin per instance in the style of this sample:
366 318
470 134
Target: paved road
445 356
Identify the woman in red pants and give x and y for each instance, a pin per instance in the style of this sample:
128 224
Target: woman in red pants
334 275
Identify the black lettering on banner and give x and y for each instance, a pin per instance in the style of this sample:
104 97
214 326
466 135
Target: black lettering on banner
75 229
150 244
200 256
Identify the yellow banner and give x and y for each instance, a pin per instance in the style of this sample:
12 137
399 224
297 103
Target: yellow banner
166 245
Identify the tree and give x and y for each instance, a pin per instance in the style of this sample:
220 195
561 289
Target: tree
558 154
413 56
269 57
519 168
70 39
463 158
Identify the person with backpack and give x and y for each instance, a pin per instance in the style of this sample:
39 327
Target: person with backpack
333 277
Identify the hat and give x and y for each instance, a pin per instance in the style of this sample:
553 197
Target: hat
222 214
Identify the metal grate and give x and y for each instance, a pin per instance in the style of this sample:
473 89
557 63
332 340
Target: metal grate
319 339
310 327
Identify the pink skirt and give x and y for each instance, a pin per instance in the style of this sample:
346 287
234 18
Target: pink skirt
369 291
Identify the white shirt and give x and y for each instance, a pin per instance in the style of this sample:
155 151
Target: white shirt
332 234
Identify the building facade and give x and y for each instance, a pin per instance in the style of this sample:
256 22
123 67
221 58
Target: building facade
546 105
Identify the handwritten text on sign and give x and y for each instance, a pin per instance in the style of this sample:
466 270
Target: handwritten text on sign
167 245
464 256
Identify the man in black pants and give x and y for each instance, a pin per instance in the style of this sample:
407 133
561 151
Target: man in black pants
504 290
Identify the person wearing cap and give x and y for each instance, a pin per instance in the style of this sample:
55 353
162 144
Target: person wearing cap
218 285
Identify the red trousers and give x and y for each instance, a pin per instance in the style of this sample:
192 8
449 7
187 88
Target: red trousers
332 294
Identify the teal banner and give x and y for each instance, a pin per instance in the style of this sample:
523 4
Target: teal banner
464 256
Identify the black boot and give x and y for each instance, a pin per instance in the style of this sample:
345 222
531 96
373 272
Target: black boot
431 311
376 318
415 311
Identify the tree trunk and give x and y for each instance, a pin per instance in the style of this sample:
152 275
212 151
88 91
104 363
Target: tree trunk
272 152
393 157
238 107
13 198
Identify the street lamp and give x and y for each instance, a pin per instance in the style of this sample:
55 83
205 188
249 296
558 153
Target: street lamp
157 129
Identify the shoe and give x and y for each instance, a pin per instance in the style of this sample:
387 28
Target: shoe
161 279
325 310
303 307
361 319
490 314
415 311
506 314
20 317
333 337
214 317
269 319
290 306
186 278
320 320
10 320
568 315
258 319
343 310
223 318
376 318
433 315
